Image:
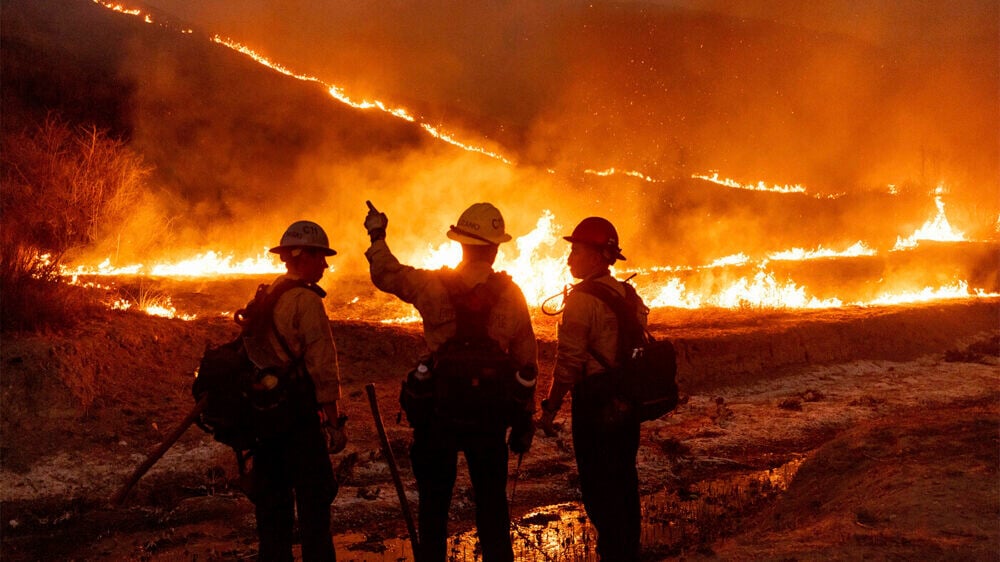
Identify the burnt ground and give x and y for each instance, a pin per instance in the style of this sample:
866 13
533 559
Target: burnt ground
875 430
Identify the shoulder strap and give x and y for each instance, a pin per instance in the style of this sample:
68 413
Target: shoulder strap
259 312
625 315
473 305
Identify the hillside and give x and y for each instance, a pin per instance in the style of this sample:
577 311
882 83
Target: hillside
851 432
239 150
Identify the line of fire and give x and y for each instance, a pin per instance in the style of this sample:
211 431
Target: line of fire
929 259
807 195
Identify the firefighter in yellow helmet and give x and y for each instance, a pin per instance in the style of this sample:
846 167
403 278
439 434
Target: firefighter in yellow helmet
605 429
292 472
477 381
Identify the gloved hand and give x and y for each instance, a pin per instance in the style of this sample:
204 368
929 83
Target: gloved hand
522 432
547 420
336 436
375 223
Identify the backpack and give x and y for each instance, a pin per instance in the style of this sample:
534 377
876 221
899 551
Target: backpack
247 404
646 375
471 377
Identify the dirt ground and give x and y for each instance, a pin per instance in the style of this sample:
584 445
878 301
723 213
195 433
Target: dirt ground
882 445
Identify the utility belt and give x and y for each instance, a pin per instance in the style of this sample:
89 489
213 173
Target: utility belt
599 400
281 398
477 394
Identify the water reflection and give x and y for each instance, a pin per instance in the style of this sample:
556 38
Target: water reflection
674 521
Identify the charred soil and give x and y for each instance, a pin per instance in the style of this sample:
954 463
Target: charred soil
876 430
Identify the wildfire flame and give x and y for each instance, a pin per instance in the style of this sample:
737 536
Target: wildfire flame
122 9
537 261
937 228
759 186
207 264
797 254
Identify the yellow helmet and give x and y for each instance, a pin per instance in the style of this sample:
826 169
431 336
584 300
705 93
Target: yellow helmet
479 225
304 234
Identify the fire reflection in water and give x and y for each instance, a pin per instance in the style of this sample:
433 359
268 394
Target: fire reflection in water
674 521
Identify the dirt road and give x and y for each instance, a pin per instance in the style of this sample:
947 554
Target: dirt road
885 449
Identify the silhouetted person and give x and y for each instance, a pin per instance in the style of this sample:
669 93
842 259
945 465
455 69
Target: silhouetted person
291 469
605 428
478 380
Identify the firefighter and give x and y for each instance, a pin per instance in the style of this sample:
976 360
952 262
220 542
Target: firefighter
292 470
474 398
605 429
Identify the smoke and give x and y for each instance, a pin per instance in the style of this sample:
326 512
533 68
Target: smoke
840 97
833 94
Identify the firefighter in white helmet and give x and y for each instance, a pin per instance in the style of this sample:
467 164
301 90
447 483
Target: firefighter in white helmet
292 472
478 380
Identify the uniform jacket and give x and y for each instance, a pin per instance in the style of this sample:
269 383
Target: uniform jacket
509 322
301 319
588 322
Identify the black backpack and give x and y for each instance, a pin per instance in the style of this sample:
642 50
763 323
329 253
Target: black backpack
646 375
472 378
246 404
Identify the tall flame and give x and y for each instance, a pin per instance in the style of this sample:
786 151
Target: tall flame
937 228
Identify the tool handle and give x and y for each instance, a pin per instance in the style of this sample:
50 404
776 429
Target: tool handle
391 461
154 456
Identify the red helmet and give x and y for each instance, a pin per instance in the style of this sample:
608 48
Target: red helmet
600 233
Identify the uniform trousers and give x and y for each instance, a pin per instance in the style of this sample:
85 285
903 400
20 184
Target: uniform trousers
606 442
434 455
292 471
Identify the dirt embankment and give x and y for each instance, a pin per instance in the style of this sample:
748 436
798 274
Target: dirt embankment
895 410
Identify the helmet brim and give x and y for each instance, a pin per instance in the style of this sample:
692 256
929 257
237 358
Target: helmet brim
325 251
570 239
466 238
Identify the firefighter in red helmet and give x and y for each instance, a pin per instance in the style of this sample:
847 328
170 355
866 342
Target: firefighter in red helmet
605 428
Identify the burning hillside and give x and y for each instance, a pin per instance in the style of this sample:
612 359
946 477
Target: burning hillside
694 241
806 197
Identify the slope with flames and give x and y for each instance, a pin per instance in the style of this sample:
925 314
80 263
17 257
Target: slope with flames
236 132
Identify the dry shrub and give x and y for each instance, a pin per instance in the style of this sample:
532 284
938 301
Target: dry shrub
64 187
34 304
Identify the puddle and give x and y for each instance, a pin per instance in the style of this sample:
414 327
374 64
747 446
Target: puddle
672 521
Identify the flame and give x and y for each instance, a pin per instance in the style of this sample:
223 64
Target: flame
762 291
735 259
337 93
613 171
532 266
451 140
537 262
207 264
121 9
959 289
937 228
798 254
411 319
163 308
759 186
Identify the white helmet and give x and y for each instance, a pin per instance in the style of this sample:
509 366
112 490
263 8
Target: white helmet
479 225
304 234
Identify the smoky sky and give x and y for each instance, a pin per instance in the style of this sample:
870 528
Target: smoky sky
839 96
